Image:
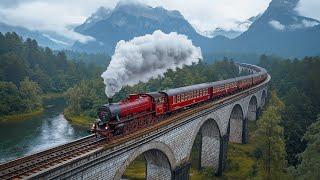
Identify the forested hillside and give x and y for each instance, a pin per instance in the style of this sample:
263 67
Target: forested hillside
28 70
298 84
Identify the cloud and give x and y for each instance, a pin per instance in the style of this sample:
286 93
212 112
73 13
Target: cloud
304 24
309 8
277 25
56 40
45 16
58 15
210 14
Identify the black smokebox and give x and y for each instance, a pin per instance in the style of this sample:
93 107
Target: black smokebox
110 100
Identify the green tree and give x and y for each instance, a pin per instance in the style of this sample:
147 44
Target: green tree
269 138
30 95
297 116
85 98
9 98
310 158
298 84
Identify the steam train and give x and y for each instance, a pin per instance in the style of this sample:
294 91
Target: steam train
139 111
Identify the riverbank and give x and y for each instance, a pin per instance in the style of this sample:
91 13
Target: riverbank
48 96
36 112
21 116
81 120
49 129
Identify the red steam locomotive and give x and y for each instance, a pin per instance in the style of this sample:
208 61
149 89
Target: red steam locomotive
142 110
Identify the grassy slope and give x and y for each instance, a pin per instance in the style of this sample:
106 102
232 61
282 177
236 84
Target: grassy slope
80 120
28 115
21 116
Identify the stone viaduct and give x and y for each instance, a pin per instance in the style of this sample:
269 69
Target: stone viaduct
167 150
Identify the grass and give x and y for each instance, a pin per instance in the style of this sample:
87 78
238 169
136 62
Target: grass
52 95
136 170
203 174
241 163
81 120
21 116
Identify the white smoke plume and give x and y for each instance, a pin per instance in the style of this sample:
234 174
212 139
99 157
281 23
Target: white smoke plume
146 57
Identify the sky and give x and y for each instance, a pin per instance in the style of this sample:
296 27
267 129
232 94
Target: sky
60 16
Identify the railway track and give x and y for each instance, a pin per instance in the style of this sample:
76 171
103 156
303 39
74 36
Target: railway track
22 167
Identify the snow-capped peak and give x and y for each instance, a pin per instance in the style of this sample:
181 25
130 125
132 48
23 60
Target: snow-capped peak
100 14
232 33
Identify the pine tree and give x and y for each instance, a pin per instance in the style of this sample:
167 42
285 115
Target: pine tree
270 140
310 158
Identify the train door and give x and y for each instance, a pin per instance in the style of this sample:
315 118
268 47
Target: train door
161 107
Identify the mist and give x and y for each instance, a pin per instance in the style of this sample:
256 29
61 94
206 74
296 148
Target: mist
146 57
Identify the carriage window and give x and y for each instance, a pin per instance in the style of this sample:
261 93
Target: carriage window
178 98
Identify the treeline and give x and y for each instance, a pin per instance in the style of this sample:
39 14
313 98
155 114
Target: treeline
24 62
87 96
297 83
24 99
270 151
99 59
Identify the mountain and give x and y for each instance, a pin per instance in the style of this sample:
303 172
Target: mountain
128 20
240 27
280 30
45 40
101 14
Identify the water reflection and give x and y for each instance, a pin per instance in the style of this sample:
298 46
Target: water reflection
47 130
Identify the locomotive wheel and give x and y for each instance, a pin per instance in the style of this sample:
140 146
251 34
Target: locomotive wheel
150 121
126 129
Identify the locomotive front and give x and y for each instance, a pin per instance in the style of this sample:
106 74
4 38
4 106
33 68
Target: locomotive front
106 113
111 116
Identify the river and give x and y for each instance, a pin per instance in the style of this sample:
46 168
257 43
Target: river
47 130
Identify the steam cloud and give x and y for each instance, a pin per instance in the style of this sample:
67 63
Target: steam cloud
146 57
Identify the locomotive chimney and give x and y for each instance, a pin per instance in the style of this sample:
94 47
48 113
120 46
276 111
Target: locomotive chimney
110 100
